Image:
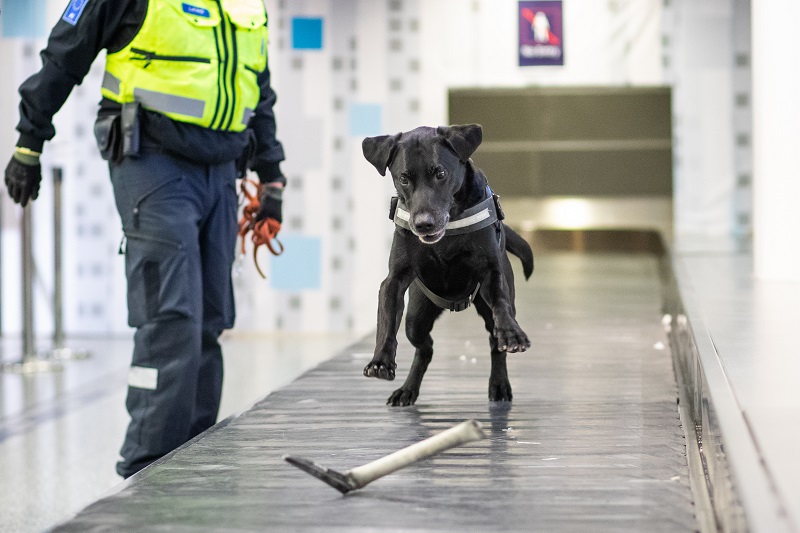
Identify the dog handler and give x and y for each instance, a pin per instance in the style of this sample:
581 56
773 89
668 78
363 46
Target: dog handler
186 107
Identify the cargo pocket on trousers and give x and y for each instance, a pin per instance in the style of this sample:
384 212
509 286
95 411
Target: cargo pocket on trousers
158 279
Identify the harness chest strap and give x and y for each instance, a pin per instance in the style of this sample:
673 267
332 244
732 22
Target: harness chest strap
444 303
475 218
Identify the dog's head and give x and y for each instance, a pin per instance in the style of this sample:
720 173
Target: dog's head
429 167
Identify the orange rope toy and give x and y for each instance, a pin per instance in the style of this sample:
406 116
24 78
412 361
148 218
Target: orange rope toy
264 231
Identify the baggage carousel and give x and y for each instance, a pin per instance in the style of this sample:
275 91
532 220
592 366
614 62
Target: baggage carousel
593 440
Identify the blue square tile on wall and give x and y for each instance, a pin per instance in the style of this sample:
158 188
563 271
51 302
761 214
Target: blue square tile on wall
298 267
23 18
306 33
364 119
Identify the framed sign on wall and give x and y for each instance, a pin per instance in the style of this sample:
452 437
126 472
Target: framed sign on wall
541 33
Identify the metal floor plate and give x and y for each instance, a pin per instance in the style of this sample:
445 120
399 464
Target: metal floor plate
591 442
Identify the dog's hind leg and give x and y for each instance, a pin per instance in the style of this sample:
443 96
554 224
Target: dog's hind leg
422 313
499 385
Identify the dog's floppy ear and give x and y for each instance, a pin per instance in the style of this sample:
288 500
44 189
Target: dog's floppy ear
463 139
380 150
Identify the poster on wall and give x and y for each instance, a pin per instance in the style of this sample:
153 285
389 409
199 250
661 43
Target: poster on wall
541 33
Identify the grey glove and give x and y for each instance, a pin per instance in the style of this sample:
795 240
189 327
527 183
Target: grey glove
23 180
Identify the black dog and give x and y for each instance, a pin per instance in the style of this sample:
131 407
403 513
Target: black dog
449 250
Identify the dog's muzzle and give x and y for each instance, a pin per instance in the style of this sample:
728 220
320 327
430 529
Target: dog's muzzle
427 229
431 237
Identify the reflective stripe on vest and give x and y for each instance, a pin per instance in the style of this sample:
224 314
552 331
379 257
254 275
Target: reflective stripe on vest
206 73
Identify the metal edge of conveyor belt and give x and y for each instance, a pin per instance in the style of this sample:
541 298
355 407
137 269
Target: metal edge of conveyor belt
740 495
707 406
717 501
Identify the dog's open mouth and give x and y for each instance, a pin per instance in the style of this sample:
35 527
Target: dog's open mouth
432 237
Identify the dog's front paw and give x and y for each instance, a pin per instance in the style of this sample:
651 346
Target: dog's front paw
511 339
403 396
380 370
500 391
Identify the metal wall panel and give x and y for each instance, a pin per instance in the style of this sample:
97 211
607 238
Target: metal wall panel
571 141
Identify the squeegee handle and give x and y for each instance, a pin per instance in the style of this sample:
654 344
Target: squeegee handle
457 435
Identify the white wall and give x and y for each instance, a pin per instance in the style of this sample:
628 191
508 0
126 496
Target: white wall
707 50
474 44
403 56
776 114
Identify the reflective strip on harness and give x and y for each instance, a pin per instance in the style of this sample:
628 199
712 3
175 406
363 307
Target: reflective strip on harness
111 82
476 217
402 215
169 103
248 114
469 221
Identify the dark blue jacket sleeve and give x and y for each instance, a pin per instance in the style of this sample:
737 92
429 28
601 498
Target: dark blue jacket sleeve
268 150
71 49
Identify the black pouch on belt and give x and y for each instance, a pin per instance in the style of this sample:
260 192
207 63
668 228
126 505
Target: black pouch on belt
107 134
131 129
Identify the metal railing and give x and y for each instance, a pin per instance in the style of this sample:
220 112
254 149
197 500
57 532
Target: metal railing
31 360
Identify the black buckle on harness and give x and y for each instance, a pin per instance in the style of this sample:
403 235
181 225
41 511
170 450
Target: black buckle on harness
393 207
497 208
464 304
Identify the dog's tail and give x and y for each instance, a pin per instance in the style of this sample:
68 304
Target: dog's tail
520 247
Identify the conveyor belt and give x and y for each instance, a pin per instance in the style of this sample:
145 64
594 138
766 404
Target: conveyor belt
591 442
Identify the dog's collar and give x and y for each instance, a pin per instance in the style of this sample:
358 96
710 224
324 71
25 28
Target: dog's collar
476 217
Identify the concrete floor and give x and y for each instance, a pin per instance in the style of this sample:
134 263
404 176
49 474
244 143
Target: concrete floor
60 432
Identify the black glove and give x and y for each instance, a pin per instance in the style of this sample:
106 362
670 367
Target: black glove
23 181
271 195
271 202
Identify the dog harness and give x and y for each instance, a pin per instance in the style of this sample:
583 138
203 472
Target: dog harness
477 217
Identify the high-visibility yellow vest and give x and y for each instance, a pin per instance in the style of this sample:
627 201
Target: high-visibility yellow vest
195 61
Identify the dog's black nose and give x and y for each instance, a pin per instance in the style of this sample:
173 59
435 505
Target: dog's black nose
424 223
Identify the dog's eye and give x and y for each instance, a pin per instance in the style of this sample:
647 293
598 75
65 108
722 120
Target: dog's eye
402 180
440 174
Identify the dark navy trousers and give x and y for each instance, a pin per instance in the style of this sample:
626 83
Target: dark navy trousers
179 221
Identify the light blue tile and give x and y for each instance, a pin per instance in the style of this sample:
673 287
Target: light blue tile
365 119
24 18
298 267
306 33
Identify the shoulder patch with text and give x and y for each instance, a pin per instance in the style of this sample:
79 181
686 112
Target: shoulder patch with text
74 11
